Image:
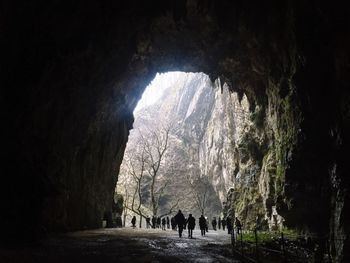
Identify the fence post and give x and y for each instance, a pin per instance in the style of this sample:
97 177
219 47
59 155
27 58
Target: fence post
283 247
242 252
233 237
256 245
328 250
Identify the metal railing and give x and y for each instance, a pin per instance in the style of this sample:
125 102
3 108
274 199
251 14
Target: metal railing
254 246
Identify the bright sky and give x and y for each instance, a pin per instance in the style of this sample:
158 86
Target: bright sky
156 88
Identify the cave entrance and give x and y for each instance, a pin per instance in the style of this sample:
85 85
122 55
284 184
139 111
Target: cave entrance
176 155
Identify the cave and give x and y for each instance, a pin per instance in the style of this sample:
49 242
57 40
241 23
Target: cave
73 72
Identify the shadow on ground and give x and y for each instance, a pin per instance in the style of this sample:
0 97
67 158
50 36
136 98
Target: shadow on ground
125 245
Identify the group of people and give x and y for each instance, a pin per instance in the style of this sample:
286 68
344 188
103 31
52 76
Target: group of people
179 223
158 222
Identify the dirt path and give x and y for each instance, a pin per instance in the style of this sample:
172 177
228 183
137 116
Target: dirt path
126 245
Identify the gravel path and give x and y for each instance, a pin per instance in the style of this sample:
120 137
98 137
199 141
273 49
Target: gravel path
126 245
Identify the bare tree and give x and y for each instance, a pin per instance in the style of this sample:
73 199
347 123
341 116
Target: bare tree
147 181
135 161
156 144
200 188
125 204
127 188
172 208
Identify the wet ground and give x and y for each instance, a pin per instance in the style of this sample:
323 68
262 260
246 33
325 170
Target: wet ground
126 245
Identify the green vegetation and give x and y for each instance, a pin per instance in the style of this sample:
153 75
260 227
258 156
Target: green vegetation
252 146
269 236
290 234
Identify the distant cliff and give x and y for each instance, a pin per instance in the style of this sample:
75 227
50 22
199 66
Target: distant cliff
217 135
206 122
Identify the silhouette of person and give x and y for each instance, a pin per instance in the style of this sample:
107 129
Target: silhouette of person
158 222
202 225
191 222
173 223
214 223
206 224
163 223
223 222
148 222
238 225
154 221
219 222
229 225
167 222
133 221
180 221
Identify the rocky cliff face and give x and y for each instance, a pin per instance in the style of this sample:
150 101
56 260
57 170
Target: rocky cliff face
206 123
218 154
218 135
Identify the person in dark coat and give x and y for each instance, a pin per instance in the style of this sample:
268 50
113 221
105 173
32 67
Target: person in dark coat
167 222
154 221
238 225
213 223
158 222
180 221
173 223
229 224
223 222
207 224
133 221
202 225
148 222
219 222
191 223
163 223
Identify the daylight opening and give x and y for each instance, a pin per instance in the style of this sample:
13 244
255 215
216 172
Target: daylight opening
179 153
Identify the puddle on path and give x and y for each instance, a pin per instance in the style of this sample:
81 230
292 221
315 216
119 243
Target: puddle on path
182 245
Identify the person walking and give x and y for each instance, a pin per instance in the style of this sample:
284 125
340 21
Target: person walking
133 221
219 222
173 223
223 222
180 221
154 221
158 222
191 223
163 223
202 225
229 225
206 224
167 222
214 223
238 225
148 222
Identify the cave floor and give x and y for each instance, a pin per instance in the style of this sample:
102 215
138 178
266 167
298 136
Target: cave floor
126 245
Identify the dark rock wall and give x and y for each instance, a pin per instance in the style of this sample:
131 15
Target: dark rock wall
67 120
72 73
319 174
